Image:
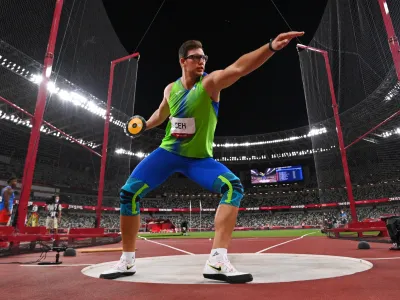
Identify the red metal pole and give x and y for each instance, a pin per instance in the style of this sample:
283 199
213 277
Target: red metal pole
70 137
104 149
105 137
48 124
373 129
341 142
392 38
16 107
310 48
30 160
134 55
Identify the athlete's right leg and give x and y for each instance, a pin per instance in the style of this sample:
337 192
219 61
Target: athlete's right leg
148 175
216 177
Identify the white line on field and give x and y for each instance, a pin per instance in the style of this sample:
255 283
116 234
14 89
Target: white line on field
165 245
60 265
381 258
280 244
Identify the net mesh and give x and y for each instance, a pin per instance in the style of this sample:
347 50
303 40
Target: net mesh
76 104
365 83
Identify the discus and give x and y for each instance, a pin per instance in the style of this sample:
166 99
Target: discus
135 126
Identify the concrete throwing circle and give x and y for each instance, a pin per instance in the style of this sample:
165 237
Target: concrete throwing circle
265 268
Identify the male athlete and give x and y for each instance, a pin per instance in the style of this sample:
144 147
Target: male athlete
53 214
191 103
7 201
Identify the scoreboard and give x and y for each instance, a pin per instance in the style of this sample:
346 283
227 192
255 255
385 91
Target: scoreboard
289 174
277 175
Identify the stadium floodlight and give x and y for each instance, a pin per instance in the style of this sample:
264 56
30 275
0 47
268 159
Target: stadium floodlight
313 132
74 97
83 101
130 153
44 129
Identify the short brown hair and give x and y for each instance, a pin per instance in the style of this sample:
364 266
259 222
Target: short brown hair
11 179
189 45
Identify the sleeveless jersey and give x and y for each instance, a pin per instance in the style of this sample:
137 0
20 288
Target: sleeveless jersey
53 210
193 109
10 200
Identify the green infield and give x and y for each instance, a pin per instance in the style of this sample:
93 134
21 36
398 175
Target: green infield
237 234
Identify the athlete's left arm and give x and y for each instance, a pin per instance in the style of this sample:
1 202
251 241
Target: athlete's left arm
7 195
221 79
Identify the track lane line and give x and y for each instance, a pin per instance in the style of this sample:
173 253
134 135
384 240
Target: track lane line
280 244
165 245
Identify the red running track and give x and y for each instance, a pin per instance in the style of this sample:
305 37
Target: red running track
67 282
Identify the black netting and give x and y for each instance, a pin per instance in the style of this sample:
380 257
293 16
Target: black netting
367 91
76 104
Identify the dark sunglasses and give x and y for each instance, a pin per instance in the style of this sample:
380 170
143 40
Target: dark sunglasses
197 57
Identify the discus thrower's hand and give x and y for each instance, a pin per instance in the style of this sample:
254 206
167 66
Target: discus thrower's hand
282 40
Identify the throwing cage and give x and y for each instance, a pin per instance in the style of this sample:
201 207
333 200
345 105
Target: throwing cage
351 78
73 111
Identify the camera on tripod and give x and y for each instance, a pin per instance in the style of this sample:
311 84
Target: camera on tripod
58 249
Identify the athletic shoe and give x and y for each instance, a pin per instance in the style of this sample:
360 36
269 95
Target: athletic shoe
395 246
224 271
121 269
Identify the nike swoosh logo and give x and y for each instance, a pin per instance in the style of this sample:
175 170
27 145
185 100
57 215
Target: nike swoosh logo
129 267
215 268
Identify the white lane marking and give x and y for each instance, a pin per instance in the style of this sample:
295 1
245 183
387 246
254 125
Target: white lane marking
280 244
165 245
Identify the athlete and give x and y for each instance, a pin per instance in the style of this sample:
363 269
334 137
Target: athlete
191 103
7 201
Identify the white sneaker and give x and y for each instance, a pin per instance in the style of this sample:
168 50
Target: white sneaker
122 268
224 271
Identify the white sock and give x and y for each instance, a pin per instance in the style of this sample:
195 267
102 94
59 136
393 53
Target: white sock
128 256
219 254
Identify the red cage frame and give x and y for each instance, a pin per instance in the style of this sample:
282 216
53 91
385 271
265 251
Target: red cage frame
16 235
25 234
395 50
105 138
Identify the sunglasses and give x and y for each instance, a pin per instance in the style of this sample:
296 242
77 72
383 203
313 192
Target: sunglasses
197 57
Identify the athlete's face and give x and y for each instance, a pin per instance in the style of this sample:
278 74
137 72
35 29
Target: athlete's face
194 62
13 183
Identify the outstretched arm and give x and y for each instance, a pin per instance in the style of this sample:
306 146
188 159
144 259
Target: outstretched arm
162 113
249 62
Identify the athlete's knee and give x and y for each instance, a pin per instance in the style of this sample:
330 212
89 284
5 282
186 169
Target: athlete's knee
130 196
230 186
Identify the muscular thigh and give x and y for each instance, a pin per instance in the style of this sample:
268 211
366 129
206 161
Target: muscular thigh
156 168
205 172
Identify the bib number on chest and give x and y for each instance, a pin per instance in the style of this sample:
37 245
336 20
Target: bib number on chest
183 127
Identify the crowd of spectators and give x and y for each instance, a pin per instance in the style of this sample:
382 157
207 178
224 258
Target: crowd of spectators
179 192
266 196
245 219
